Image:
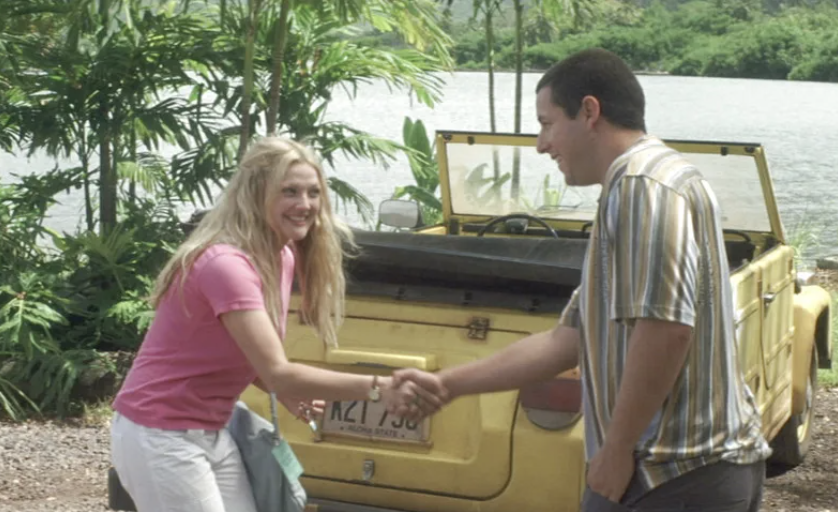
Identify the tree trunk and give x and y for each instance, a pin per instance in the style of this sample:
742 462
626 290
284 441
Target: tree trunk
490 57
107 178
116 149
132 149
519 72
281 36
247 78
85 169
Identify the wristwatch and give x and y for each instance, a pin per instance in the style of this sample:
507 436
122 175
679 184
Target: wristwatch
374 394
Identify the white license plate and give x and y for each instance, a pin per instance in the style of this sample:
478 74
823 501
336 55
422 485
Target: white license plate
370 420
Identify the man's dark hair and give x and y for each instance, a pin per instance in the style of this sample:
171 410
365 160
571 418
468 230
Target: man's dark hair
603 75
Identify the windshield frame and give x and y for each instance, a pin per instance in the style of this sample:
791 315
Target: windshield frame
754 151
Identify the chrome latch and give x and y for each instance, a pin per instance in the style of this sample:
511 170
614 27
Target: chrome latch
368 470
478 328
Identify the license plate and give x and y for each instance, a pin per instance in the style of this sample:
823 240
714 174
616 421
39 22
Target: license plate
370 420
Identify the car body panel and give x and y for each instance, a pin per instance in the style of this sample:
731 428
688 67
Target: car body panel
469 452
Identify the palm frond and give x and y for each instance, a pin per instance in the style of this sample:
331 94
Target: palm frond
50 378
347 194
149 171
417 22
29 315
420 195
13 401
334 137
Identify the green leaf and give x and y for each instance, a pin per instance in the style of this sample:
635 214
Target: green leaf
347 194
14 401
420 195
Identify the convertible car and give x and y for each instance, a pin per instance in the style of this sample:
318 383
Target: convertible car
501 265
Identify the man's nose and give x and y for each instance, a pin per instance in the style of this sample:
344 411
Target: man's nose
540 145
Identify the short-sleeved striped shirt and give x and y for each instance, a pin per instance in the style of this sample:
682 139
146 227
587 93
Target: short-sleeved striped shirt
657 251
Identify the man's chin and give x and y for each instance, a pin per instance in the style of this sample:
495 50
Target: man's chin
568 179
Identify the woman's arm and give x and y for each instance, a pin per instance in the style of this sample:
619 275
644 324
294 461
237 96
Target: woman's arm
303 410
255 334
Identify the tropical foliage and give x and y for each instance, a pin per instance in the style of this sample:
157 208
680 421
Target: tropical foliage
726 38
154 102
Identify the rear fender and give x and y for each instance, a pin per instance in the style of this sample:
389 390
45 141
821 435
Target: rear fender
811 327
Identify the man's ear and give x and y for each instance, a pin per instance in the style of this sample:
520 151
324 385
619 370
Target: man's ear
591 110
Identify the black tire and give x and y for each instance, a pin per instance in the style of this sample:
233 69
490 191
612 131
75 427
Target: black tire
118 497
792 443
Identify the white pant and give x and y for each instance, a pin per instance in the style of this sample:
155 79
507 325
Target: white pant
180 470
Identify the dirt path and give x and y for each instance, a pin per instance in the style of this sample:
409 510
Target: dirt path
813 486
52 467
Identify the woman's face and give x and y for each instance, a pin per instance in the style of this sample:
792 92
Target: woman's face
295 208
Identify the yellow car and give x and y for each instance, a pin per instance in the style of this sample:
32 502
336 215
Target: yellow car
502 265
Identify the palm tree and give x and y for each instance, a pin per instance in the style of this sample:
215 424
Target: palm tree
102 84
416 21
577 10
254 8
93 87
489 8
278 57
317 59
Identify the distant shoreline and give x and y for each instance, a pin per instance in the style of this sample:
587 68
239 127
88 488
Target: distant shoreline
648 72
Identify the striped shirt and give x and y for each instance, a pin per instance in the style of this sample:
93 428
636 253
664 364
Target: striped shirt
657 251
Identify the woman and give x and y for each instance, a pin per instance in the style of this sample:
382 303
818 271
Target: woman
221 306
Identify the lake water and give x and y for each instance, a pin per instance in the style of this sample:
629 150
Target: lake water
795 121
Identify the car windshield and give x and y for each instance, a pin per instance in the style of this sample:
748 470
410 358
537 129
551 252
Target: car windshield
482 182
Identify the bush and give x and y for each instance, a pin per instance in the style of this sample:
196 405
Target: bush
821 65
471 46
700 38
639 47
544 55
62 306
704 18
763 50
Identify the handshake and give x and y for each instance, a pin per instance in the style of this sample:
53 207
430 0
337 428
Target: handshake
409 393
414 394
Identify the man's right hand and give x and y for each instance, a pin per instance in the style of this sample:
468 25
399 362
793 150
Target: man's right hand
535 358
428 387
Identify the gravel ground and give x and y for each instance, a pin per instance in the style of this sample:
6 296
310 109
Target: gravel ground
63 467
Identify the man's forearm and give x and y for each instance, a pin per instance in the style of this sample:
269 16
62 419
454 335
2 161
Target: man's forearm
656 355
534 358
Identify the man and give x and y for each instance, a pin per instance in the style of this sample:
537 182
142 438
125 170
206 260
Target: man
669 420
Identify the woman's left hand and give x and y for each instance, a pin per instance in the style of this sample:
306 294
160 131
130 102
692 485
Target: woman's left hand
303 410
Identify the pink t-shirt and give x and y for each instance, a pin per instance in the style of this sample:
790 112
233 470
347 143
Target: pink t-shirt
189 371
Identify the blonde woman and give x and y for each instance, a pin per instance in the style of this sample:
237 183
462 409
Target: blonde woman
221 304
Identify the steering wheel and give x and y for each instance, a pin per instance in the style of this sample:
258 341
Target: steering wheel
511 216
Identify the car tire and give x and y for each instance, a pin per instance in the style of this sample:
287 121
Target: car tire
792 443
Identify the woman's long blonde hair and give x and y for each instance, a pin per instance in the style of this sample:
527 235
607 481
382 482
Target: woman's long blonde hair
241 218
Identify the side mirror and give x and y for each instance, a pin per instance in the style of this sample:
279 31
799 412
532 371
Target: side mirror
397 213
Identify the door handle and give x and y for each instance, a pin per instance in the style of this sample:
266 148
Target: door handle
768 298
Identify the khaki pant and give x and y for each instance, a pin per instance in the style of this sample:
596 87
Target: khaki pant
179 470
